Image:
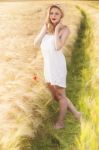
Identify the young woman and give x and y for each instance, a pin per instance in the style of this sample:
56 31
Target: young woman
51 39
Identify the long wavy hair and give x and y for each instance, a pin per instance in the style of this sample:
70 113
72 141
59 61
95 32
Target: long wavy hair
49 24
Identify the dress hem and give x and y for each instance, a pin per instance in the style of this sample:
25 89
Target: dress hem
56 84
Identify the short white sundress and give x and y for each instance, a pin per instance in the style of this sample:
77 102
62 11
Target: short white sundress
55 68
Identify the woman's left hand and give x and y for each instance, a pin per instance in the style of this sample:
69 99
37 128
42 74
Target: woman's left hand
58 27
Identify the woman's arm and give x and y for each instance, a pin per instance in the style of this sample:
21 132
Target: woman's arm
60 41
39 37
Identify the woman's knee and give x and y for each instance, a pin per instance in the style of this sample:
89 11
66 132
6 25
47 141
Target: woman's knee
48 85
59 95
52 90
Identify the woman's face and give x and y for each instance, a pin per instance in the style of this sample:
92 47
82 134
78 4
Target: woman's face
55 15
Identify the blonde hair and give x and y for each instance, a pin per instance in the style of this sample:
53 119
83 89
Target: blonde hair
50 26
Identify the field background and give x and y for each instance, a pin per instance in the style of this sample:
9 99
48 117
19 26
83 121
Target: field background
27 108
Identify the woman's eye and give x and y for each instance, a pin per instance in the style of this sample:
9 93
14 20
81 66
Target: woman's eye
51 13
57 13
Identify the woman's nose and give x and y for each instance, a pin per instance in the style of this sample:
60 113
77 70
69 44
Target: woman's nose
54 15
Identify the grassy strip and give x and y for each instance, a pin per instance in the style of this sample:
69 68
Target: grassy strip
79 90
88 93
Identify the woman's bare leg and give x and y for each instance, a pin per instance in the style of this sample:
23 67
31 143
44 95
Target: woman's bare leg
52 90
70 107
62 107
73 109
64 103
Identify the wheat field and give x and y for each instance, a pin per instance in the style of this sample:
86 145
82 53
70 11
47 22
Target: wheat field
24 97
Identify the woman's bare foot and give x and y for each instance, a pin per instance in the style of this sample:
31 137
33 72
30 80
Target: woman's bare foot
78 115
59 125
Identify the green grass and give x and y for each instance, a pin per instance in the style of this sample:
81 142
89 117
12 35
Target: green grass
89 97
79 68
79 90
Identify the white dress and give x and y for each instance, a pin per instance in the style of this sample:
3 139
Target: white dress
55 68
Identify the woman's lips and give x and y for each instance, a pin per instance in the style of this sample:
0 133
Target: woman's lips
53 19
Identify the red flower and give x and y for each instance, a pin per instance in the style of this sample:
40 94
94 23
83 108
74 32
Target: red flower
34 77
